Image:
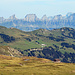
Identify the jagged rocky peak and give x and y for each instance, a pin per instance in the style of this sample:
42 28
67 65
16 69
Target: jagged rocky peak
31 18
13 17
58 17
1 19
72 16
68 14
44 18
50 17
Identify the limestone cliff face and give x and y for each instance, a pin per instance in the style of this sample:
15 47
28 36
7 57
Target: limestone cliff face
58 17
32 22
1 19
44 18
13 17
31 18
71 17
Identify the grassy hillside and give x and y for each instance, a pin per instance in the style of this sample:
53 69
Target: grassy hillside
6 50
26 40
33 66
16 38
60 40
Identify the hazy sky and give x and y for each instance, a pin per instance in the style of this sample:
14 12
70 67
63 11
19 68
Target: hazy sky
39 7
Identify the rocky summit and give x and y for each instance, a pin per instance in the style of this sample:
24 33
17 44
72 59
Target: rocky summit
32 22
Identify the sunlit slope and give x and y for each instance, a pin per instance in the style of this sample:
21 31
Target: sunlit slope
6 50
16 38
63 38
33 66
50 44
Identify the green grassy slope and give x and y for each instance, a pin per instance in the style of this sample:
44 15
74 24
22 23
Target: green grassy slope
20 38
60 40
25 40
65 36
33 66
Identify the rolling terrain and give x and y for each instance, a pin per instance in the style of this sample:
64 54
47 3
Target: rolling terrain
50 44
33 66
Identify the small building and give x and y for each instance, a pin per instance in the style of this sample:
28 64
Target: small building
57 60
43 45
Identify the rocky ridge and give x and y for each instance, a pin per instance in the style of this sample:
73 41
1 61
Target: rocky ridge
32 22
6 50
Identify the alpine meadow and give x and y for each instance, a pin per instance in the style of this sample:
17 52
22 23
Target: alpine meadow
37 37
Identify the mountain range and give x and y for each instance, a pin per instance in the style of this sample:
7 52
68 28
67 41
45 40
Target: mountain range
32 22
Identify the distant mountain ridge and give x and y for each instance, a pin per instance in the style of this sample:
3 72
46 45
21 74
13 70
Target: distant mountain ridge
32 22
